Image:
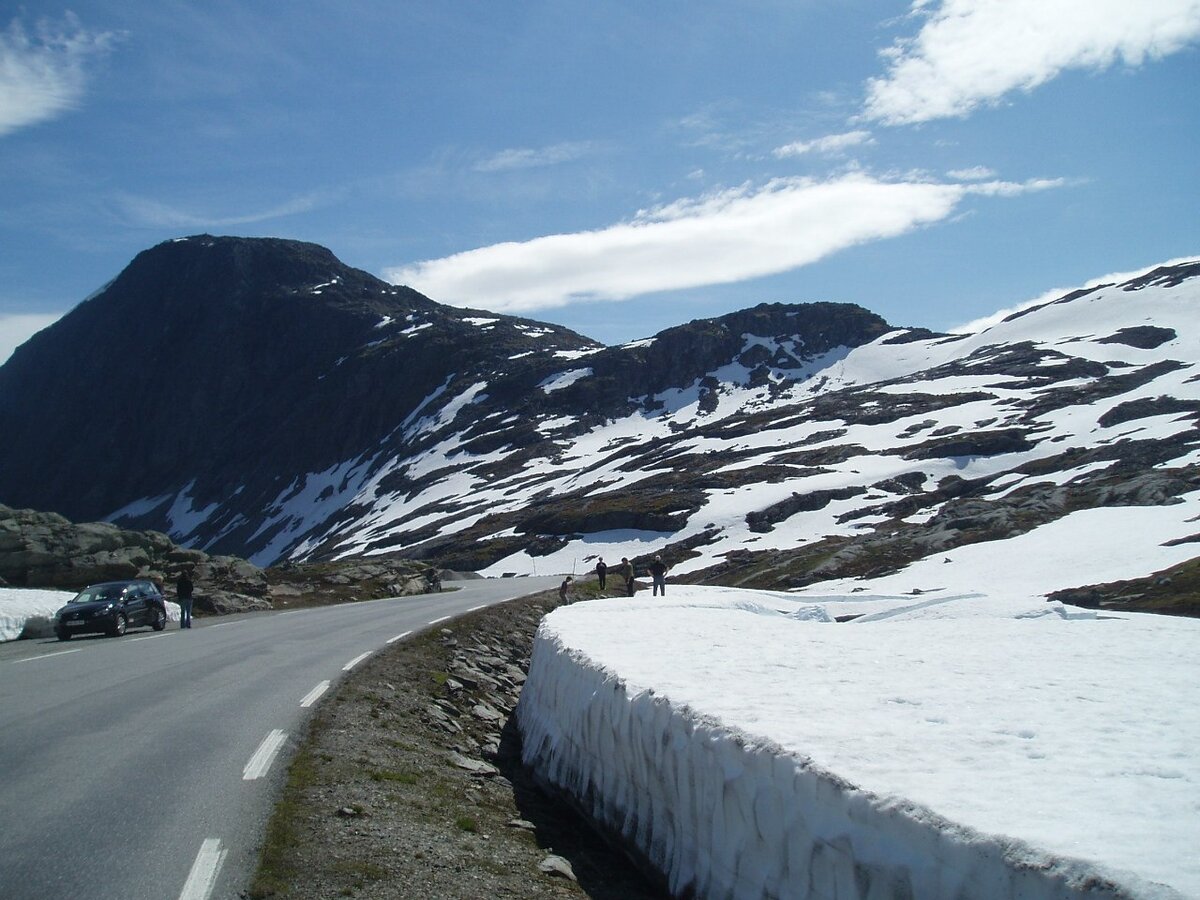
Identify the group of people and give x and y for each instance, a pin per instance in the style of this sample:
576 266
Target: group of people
657 568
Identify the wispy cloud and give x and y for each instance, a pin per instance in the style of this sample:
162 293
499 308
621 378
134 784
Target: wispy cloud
720 238
45 74
975 173
17 329
146 212
532 158
830 144
970 53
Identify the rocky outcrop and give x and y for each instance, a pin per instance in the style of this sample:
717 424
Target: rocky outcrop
45 550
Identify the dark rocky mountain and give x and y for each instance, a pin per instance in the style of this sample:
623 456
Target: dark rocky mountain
258 398
213 374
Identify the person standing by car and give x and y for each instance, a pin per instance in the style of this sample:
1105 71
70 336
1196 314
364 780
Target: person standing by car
183 591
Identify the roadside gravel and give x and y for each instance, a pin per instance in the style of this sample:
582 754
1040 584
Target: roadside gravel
408 784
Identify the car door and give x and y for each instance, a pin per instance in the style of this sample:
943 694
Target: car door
135 605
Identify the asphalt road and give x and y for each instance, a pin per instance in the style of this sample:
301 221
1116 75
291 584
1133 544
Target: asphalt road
145 767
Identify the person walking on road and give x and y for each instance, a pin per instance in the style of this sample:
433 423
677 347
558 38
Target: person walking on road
658 572
183 592
601 572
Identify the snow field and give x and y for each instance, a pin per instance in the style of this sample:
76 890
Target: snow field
959 747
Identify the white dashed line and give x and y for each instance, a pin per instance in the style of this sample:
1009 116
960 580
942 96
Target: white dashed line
203 877
398 637
354 662
48 655
146 637
223 624
261 761
442 619
315 694
480 606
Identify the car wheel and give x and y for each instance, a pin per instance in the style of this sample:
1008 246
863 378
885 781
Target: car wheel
119 625
62 635
160 619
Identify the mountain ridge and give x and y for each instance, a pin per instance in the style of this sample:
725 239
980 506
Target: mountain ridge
775 446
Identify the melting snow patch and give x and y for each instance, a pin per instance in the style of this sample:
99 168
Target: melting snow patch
577 354
565 379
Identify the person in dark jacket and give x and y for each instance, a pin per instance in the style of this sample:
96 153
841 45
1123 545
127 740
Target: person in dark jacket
564 589
183 593
658 572
601 572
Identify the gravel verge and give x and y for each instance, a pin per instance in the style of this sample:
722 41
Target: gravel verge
408 783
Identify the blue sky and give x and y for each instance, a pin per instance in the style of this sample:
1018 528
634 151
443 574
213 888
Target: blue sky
615 167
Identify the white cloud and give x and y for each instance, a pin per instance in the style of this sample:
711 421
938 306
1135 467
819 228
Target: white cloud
975 173
144 211
974 52
833 143
721 238
44 75
531 158
17 329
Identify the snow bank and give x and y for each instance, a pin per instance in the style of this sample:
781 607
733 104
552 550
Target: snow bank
954 747
18 606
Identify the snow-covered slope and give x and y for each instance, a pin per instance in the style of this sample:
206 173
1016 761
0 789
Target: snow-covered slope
851 462
947 747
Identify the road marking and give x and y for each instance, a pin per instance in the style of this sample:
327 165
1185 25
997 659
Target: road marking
398 637
146 637
288 613
223 624
442 619
203 877
354 662
315 694
48 655
480 606
264 756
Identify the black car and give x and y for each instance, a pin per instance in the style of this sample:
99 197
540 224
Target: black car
111 608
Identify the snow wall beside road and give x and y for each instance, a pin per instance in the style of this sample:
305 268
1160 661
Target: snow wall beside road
723 816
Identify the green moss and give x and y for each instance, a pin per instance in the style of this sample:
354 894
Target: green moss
466 823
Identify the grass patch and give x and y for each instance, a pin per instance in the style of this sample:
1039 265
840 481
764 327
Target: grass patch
393 775
275 869
359 869
466 823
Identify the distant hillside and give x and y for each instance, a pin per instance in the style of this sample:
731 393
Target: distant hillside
256 397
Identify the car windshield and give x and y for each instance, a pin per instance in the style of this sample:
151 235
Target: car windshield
100 592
